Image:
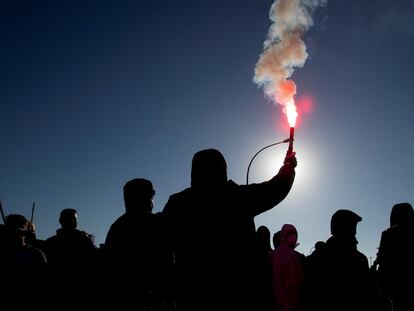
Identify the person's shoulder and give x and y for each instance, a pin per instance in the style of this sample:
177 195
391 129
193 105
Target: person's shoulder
397 236
397 230
52 239
177 199
391 234
84 236
231 184
117 222
120 220
361 255
181 194
300 255
362 259
391 229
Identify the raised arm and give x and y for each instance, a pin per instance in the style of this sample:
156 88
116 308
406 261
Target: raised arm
264 196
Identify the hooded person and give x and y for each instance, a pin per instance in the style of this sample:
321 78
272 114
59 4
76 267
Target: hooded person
338 277
287 271
344 228
402 214
212 223
396 256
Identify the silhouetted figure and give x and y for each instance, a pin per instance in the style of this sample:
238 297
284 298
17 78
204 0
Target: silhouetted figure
15 253
213 231
262 273
396 257
262 245
21 264
70 248
287 271
338 277
382 298
72 262
276 239
318 250
136 252
319 247
2 234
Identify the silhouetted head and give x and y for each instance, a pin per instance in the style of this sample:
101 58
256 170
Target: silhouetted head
401 213
319 245
138 196
263 237
16 224
289 235
209 169
263 232
344 223
68 219
276 239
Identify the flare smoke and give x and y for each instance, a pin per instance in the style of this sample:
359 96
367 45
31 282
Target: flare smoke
284 49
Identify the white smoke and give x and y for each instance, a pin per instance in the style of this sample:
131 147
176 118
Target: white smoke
284 50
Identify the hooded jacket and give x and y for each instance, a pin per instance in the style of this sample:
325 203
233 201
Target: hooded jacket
287 272
213 232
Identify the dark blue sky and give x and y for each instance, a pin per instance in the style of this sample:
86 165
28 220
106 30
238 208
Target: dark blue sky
94 93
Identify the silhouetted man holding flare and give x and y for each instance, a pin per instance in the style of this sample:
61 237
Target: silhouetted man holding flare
213 232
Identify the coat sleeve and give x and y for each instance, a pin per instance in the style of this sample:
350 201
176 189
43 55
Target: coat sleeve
264 196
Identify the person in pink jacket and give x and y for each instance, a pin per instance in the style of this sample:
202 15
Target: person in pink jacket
287 271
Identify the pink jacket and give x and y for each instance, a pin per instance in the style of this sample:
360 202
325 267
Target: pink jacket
287 272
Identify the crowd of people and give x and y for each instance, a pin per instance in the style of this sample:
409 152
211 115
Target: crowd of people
203 252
